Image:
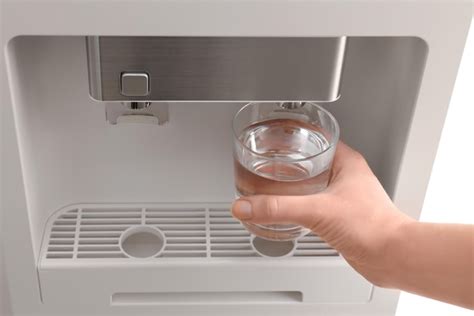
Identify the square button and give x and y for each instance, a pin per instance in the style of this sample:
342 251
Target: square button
134 84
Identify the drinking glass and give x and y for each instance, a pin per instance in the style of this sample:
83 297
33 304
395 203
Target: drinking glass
282 148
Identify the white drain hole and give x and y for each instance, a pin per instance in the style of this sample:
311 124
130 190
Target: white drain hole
142 242
271 248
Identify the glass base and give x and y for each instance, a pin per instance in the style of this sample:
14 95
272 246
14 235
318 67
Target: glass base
277 232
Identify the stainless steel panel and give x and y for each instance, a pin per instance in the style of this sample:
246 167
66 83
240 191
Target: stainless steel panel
219 68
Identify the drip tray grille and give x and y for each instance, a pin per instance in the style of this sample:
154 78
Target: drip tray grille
203 231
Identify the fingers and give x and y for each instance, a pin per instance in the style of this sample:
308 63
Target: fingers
347 160
344 155
270 209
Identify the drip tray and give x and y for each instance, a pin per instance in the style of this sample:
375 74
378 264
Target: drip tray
158 232
156 253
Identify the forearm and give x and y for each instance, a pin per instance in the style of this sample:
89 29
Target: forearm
434 260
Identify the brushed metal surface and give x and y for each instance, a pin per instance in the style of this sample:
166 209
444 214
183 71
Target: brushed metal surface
219 68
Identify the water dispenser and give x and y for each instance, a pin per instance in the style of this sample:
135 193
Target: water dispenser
117 172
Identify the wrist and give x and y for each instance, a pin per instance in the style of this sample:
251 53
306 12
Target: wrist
396 253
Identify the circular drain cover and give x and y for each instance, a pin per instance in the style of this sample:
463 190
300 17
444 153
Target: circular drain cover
142 242
269 248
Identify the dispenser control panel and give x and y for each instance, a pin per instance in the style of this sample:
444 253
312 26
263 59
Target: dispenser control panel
123 68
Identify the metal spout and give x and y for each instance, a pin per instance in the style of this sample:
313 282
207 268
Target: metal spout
292 105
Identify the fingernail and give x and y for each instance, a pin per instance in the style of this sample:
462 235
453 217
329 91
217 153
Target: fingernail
242 209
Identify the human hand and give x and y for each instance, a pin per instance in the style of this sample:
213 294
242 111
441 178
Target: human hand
354 214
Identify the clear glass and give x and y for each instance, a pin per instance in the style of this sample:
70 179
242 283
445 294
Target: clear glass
282 151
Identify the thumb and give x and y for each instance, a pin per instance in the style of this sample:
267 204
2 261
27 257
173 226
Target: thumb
304 210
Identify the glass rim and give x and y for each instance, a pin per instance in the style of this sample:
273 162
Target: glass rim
278 230
332 143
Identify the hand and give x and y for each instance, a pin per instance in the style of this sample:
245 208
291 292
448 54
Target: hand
354 215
